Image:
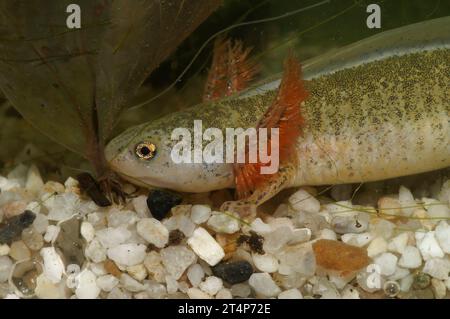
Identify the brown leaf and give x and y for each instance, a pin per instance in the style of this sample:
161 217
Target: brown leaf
72 84
340 257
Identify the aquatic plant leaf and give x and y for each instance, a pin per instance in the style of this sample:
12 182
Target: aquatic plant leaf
44 71
149 31
72 84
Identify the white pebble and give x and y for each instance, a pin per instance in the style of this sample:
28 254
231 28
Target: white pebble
6 265
390 206
223 223
87 287
350 222
200 213
439 288
111 237
265 263
153 231
140 206
118 293
224 293
117 218
406 200
358 240
211 285
339 281
97 219
387 263
4 250
53 264
98 269
177 259
377 246
131 284
325 288
406 283
276 239
195 274
71 183
276 223
46 289
138 272
87 231
428 245
183 286
436 209
63 206
382 228
327 233
32 239
399 273
19 251
398 243
40 223
297 259
6 184
442 232
422 216
127 254
52 233
300 235
185 225
206 247
293 293
303 201
181 222
263 284
95 251
34 181
438 268
258 226
338 207
410 258
195 293
153 264
171 284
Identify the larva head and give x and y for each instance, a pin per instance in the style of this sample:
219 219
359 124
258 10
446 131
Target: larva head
144 156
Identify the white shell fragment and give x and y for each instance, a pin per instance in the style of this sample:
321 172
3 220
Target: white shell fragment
206 247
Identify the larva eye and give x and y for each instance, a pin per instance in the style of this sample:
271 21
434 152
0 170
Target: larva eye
145 150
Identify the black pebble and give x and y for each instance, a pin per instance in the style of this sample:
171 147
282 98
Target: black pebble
12 228
161 202
233 272
89 185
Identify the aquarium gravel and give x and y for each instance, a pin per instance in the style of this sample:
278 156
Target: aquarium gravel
55 242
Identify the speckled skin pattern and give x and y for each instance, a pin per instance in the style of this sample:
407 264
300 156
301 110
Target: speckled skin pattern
378 120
